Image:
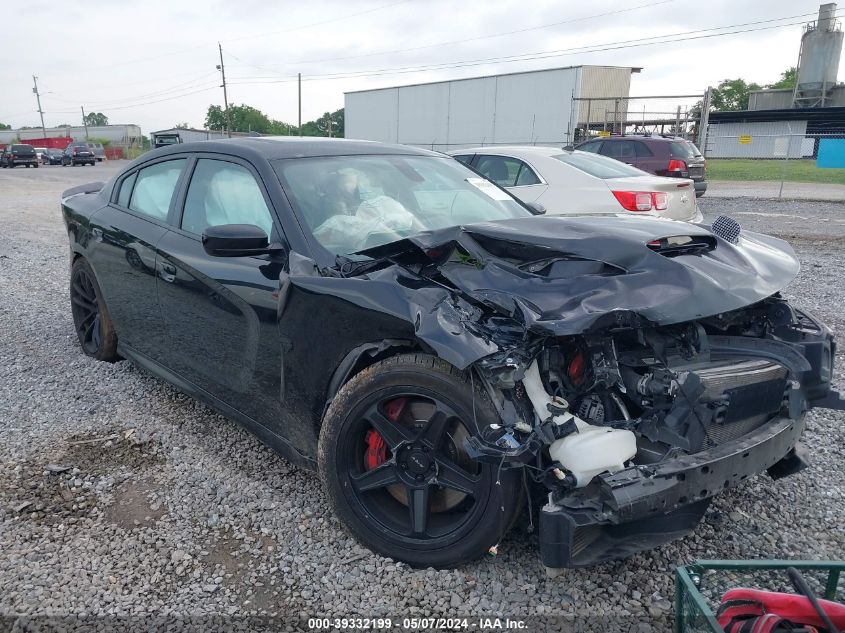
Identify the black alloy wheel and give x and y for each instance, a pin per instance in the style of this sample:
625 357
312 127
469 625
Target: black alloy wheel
90 317
393 459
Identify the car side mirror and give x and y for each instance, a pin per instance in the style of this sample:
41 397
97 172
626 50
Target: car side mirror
238 240
536 208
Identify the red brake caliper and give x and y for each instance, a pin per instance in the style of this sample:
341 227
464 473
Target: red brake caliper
376 453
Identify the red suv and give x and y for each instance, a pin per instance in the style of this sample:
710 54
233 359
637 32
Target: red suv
658 155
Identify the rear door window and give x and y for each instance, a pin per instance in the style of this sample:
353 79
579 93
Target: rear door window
155 187
620 150
599 166
126 190
683 150
506 171
593 147
466 159
526 176
641 149
500 169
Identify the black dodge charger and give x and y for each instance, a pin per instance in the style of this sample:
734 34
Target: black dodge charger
387 317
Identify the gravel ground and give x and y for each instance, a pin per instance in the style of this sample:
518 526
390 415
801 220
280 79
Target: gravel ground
119 495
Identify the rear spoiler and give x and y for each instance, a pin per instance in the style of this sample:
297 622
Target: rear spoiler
91 187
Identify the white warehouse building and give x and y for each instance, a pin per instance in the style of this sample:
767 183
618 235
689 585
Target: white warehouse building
538 107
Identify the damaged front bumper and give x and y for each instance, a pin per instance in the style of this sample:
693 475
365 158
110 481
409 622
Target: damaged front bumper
642 507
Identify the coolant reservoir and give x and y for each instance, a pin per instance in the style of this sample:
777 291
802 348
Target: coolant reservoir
590 451
593 450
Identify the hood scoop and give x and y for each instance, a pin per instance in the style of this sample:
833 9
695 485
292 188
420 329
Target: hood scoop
676 245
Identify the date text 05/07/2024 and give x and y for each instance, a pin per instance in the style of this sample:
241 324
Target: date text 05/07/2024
419 624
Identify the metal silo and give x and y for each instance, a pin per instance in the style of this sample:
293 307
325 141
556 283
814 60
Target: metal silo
818 59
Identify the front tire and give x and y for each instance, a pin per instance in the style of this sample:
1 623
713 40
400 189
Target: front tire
91 318
393 464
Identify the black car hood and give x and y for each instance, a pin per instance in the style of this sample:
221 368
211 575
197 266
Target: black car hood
566 275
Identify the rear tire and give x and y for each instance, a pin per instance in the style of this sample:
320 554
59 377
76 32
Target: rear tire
91 318
411 492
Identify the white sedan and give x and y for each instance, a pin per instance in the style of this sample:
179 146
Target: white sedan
573 182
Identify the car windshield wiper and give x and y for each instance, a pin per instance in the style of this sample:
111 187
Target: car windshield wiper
352 268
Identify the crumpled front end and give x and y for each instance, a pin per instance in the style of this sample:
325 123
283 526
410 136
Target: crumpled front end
639 366
635 429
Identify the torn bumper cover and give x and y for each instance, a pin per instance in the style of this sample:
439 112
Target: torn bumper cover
645 506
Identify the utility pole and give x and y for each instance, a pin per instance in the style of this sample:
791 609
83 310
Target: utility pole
84 122
299 96
38 99
222 70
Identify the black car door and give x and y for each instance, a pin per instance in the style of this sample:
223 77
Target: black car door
122 251
220 313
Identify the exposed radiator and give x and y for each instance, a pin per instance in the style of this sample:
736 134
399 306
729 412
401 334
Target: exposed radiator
754 389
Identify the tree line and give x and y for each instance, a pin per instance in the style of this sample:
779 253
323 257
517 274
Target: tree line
733 94
245 118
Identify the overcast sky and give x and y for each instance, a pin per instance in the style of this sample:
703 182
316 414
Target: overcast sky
152 62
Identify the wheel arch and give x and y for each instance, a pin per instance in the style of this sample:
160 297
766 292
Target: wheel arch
363 356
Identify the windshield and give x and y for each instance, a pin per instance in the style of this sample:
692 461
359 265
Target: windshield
599 166
355 202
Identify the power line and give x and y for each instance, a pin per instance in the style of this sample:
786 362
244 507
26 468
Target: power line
320 23
451 42
250 36
201 80
187 94
594 48
136 105
473 39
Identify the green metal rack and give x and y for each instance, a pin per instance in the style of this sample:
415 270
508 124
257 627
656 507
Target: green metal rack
692 611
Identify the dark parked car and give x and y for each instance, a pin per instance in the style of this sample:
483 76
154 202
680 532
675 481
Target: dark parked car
384 315
51 156
662 156
19 154
78 154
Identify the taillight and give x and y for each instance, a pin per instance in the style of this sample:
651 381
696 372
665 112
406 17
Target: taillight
635 200
676 165
660 200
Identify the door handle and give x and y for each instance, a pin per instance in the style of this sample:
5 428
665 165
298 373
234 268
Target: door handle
168 273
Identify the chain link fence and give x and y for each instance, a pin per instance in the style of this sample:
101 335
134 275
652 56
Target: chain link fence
775 151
